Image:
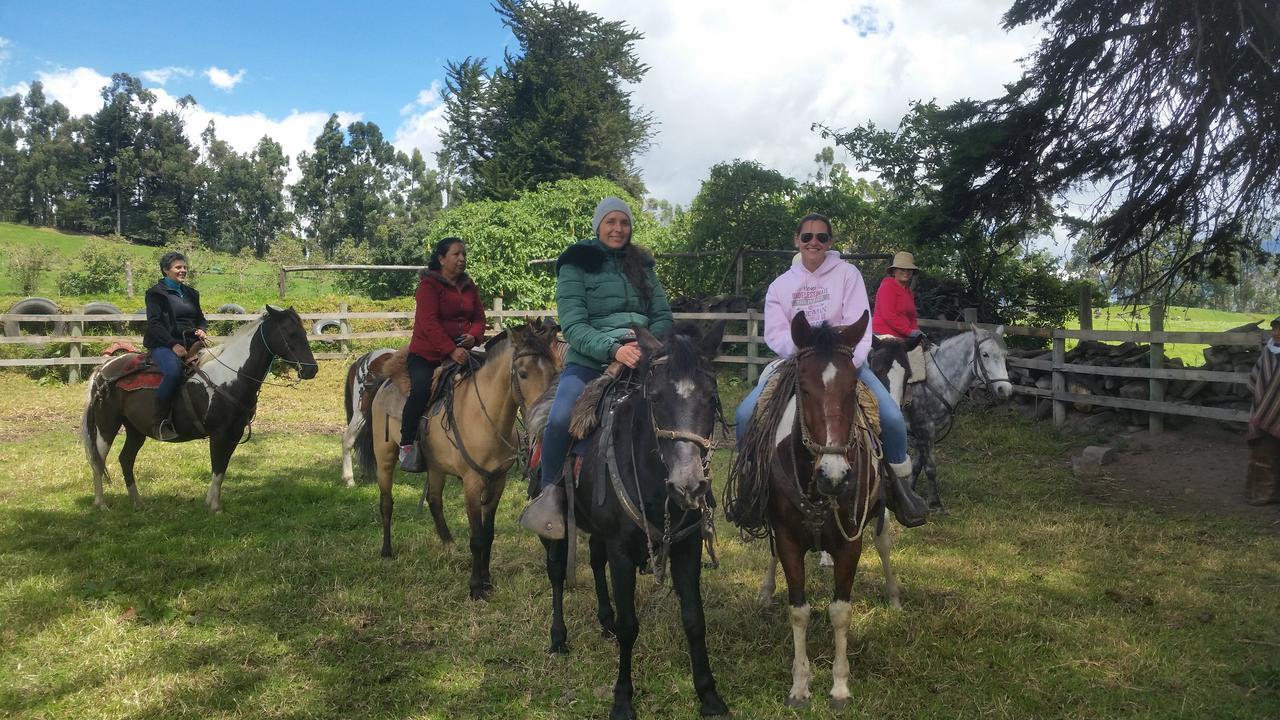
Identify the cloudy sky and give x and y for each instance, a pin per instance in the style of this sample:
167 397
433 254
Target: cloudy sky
742 79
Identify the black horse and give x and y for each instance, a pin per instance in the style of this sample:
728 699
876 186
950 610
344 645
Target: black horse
217 402
643 495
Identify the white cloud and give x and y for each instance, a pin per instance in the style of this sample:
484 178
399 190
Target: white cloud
424 119
15 89
160 76
79 89
4 49
732 80
222 79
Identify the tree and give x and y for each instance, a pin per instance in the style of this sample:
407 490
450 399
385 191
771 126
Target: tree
559 108
1170 111
114 151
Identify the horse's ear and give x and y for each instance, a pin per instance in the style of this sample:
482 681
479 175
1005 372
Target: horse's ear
800 330
851 335
710 343
648 343
1000 330
877 343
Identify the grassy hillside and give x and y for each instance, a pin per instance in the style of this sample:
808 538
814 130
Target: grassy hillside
220 277
1176 319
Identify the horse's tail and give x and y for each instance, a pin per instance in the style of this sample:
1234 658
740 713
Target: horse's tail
364 436
348 389
89 425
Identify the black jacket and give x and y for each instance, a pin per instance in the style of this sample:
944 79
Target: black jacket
163 328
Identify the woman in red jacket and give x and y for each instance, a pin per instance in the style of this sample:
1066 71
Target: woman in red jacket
448 322
895 313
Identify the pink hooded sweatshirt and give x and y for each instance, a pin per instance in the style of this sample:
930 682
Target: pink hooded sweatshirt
835 293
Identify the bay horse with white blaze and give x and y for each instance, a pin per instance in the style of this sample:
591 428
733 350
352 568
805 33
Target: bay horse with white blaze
643 493
218 401
473 437
810 476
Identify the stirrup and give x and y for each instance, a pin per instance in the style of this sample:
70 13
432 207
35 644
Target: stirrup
544 514
164 430
412 460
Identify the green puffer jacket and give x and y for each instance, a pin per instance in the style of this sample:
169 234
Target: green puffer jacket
597 304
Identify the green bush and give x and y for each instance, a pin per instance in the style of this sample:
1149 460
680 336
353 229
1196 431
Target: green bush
102 272
25 265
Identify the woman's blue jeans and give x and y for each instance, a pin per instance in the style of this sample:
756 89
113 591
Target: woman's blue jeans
893 429
555 438
170 366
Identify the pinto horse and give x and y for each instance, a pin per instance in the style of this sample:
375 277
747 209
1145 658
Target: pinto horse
643 492
819 487
217 402
472 438
355 398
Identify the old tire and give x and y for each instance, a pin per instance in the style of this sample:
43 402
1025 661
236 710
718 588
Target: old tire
101 307
35 306
230 308
321 325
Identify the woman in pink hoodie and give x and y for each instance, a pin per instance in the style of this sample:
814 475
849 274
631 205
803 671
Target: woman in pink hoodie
828 289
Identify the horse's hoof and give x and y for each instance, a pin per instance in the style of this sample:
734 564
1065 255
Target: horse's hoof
895 604
608 634
558 648
838 703
482 593
714 707
938 510
797 702
622 712
387 554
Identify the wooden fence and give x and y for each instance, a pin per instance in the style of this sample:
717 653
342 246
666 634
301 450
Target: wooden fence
749 337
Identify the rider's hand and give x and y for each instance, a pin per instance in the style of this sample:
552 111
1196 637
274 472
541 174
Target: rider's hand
201 334
459 356
628 355
467 342
179 351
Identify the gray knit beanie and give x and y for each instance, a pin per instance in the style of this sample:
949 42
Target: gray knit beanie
606 206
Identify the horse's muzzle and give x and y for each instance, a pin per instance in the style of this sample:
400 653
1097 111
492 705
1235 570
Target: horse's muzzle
831 475
688 495
306 371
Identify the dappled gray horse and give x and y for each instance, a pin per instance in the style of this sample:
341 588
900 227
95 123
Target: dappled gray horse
974 357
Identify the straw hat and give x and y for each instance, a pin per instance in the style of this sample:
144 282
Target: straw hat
903 260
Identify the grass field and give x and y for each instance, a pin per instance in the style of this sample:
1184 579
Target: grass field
1176 319
1028 601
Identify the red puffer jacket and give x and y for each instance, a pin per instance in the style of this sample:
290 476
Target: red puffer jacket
446 311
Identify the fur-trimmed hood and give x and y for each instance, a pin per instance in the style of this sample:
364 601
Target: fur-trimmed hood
463 280
590 254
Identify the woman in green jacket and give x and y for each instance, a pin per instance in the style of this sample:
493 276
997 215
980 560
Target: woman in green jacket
604 287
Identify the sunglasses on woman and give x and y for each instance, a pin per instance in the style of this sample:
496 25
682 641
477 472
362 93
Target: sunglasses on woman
823 238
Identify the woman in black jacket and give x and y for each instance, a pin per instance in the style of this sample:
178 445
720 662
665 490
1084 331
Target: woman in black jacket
174 323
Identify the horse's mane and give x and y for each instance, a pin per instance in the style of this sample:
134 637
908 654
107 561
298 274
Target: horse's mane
746 492
680 345
211 352
824 339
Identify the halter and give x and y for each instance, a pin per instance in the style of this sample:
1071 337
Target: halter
816 510
979 372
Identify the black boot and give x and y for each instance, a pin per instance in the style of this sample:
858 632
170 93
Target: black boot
910 509
412 459
162 421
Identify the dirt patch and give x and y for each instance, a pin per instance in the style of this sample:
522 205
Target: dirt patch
1199 468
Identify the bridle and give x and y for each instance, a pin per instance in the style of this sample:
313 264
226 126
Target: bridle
979 371
261 335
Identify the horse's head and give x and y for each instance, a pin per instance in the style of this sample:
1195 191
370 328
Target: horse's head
826 396
533 367
286 338
684 403
990 352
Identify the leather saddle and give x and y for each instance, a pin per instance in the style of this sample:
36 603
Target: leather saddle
133 370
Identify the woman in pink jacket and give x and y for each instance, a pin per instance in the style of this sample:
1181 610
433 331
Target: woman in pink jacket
829 289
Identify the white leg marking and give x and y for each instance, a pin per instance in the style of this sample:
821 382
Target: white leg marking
800 673
768 583
884 545
840 612
348 445
788 419
214 497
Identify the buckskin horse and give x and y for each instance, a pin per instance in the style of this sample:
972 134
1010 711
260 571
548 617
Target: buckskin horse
217 401
643 492
472 437
809 476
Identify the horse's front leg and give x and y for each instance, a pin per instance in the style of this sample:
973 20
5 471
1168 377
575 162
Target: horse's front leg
884 546
221 447
599 572
385 453
622 573
791 555
434 491
931 472
845 555
557 550
482 503
133 440
686 578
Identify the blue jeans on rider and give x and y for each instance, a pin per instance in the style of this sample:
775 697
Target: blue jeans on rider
170 365
555 438
893 428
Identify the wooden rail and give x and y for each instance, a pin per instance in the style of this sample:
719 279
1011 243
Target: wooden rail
755 355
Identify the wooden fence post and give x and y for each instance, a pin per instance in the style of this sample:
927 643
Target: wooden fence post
737 271
1086 308
1059 379
497 315
753 347
1155 393
971 315
128 278
280 283
344 327
77 329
